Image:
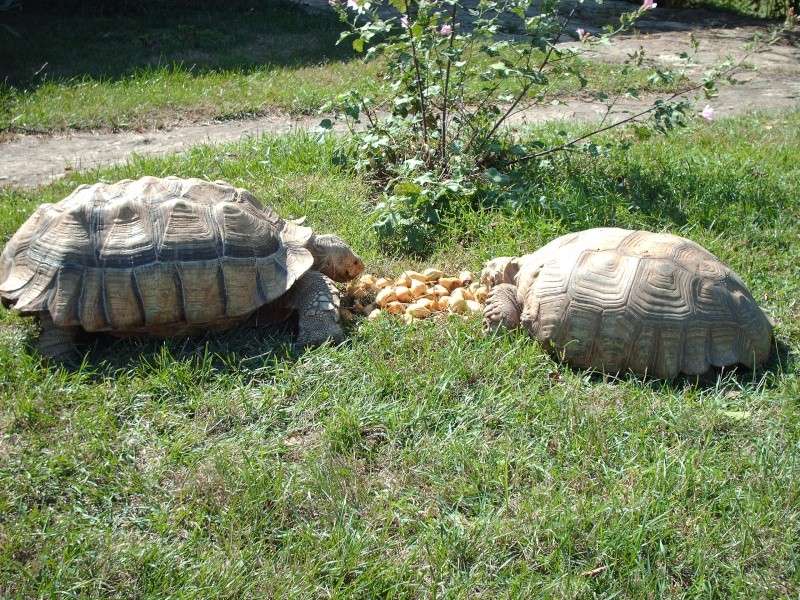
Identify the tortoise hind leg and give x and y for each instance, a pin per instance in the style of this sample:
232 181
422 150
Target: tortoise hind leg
57 343
316 300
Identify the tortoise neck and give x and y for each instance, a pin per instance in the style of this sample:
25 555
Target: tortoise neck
319 251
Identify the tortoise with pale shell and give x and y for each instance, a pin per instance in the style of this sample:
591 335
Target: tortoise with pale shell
619 300
169 257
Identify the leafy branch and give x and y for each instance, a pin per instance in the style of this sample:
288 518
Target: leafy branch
453 78
725 72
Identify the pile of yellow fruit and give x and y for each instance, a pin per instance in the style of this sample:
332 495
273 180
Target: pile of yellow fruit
414 295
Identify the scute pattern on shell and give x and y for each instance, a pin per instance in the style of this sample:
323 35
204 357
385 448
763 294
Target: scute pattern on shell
139 255
615 299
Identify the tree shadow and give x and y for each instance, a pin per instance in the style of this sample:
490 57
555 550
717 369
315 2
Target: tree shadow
665 18
652 196
630 192
46 46
49 45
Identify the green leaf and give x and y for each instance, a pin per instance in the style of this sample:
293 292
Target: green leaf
407 188
399 5
642 133
737 415
412 163
358 45
496 176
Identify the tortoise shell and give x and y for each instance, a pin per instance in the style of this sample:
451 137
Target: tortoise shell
655 303
152 256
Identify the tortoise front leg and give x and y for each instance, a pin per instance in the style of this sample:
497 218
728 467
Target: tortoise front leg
502 308
57 343
316 300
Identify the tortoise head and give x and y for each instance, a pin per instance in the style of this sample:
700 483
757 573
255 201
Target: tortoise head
500 270
334 258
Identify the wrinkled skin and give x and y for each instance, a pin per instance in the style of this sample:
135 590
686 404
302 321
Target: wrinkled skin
509 279
502 308
334 258
500 270
316 300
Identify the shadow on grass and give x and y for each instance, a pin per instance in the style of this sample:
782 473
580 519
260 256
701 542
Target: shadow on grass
733 377
640 192
254 350
244 349
238 349
53 47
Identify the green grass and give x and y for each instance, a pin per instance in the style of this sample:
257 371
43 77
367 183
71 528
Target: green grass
133 72
155 69
765 9
428 460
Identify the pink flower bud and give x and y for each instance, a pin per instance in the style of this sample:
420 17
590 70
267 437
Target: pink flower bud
445 30
404 22
707 113
648 4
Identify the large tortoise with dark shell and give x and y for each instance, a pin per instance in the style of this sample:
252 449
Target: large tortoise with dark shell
169 257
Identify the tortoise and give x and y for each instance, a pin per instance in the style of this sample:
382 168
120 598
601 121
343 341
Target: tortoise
167 257
616 300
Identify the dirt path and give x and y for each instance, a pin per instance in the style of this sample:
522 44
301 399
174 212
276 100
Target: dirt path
31 160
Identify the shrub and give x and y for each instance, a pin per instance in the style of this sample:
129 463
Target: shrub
454 76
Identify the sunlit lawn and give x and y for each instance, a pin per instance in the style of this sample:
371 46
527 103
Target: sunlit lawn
424 461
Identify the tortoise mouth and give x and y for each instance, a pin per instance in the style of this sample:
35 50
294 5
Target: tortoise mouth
343 273
355 269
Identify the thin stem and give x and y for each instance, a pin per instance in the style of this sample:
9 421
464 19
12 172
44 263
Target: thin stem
566 145
443 141
609 107
529 84
420 89
366 111
572 142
